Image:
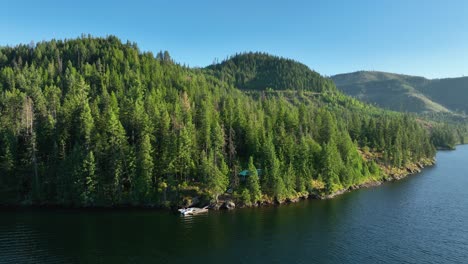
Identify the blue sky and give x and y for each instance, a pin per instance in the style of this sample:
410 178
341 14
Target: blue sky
427 38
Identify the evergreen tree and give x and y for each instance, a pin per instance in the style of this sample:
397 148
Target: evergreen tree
89 188
253 184
214 177
143 183
331 166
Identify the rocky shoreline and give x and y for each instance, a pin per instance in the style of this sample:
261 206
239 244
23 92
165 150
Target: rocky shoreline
228 203
391 174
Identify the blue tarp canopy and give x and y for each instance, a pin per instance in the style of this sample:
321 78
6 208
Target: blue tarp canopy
246 173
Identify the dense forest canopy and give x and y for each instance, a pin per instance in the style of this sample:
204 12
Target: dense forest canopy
94 121
259 71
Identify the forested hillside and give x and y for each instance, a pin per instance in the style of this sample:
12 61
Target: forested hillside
451 92
407 93
260 71
96 122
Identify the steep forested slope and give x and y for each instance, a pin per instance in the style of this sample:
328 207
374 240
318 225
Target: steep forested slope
94 121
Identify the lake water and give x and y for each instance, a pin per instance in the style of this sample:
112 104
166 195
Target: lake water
421 219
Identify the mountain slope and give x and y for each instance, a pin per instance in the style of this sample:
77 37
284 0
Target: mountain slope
374 76
96 122
406 93
259 71
390 91
451 92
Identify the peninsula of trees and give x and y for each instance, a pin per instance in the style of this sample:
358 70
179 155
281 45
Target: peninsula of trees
96 122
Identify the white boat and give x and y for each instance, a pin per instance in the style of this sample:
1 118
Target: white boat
193 210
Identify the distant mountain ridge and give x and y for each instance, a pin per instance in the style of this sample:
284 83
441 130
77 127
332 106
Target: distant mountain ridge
406 93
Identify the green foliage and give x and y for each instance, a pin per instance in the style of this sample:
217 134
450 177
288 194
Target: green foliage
260 71
214 175
244 196
88 174
331 167
253 184
142 185
435 98
392 91
109 125
443 137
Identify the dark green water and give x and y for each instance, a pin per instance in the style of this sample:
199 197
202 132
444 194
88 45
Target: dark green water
421 219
